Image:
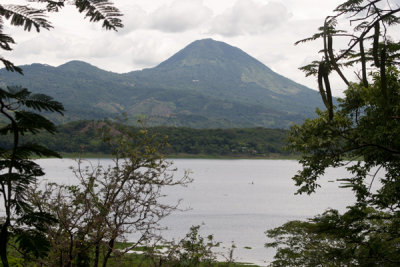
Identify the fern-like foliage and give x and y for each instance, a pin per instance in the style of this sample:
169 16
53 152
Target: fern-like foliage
100 10
25 224
51 6
16 96
10 66
29 18
24 16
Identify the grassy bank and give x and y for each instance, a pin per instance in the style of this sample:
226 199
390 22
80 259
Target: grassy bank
148 257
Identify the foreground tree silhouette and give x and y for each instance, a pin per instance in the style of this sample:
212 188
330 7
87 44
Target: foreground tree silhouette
22 222
360 134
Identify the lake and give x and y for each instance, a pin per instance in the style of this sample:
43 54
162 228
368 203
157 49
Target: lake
237 200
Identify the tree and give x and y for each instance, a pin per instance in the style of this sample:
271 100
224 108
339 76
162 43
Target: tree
192 250
30 17
110 202
22 222
359 134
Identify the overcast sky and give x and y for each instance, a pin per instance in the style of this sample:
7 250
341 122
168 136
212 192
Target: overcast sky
156 29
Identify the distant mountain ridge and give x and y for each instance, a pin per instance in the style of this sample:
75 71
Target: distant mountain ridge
208 84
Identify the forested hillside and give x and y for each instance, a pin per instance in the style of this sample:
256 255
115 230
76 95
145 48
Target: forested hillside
85 137
208 84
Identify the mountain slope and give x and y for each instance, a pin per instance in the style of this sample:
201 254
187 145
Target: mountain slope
208 84
226 72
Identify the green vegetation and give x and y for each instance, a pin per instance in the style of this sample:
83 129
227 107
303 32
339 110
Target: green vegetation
361 134
79 225
193 250
109 202
82 225
22 222
84 137
208 84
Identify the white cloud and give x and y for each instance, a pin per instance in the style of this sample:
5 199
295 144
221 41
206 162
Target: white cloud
180 16
148 52
155 30
247 17
134 18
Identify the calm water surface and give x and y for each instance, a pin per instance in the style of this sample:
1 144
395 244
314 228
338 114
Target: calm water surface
237 200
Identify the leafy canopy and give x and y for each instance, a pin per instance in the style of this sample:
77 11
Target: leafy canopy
360 134
22 222
110 202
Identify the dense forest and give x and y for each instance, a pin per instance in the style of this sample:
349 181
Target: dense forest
86 137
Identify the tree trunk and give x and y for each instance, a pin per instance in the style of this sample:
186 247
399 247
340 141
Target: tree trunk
110 249
3 244
97 255
71 248
61 258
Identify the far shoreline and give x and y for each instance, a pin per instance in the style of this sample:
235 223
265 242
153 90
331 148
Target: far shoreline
187 156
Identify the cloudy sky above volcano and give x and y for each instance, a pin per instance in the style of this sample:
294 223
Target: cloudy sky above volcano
156 29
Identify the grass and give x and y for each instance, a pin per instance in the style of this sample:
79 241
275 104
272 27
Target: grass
137 260
140 260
